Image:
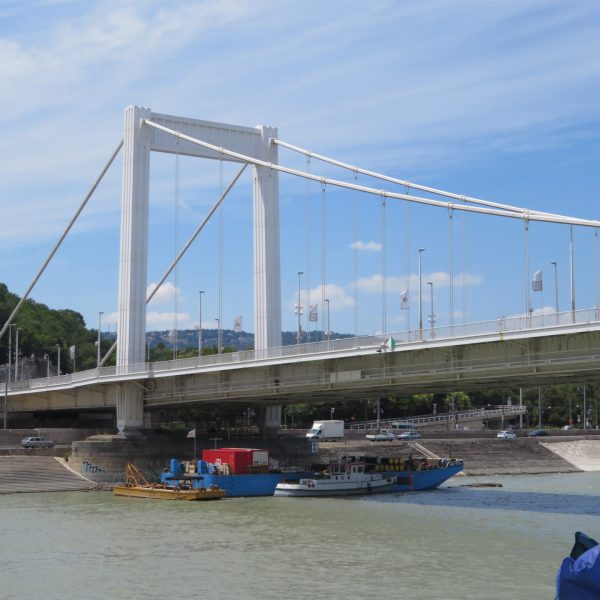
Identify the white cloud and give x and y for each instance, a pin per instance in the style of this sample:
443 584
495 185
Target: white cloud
165 320
334 293
166 294
368 246
373 283
536 312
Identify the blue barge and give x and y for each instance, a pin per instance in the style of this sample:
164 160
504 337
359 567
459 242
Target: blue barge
238 471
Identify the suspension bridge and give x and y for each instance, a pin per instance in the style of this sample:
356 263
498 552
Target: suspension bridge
534 348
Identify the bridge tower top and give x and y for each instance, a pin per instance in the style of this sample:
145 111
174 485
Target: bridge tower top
139 141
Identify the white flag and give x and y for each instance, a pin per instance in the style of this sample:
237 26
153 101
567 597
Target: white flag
237 324
404 299
72 352
192 433
313 313
536 282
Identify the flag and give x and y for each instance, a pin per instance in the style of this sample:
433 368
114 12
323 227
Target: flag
192 433
313 313
72 352
390 343
404 299
536 282
237 324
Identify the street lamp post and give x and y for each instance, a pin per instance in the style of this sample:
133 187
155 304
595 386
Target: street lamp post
17 355
432 315
218 335
200 323
299 311
47 359
10 351
331 414
572 260
421 250
556 287
58 359
328 327
99 339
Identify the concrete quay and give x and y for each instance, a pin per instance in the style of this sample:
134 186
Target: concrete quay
102 458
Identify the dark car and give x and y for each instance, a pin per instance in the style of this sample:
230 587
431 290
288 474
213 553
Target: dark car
538 433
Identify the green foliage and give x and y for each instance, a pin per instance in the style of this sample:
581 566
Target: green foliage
43 329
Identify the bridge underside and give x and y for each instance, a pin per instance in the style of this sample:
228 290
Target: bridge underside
336 376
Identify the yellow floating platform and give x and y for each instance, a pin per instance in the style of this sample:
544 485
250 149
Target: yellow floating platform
137 486
167 493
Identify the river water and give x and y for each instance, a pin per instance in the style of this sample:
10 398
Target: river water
452 543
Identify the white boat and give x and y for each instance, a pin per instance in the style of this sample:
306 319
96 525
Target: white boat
342 479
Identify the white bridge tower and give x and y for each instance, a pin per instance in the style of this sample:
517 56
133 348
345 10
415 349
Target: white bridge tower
139 140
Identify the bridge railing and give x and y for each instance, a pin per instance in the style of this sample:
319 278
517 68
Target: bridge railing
376 342
493 412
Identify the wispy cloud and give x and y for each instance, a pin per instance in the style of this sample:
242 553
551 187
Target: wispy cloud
337 296
368 246
165 320
373 283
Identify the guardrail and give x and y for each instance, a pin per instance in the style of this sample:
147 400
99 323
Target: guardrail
506 410
401 340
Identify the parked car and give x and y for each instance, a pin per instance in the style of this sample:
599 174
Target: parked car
385 435
36 442
537 433
409 435
507 434
567 427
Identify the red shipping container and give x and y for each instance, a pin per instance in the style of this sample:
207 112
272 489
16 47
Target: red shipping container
238 459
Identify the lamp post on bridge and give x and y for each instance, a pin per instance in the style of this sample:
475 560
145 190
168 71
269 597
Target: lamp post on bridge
421 250
299 311
432 315
17 355
556 287
58 359
200 323
99 339
328 326
218 335
10 351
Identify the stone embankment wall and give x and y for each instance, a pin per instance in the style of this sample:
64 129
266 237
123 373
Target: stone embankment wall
488 456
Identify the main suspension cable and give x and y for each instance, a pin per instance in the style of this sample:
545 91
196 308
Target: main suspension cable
407 184
511 214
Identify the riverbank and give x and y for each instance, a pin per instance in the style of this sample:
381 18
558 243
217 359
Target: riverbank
520 456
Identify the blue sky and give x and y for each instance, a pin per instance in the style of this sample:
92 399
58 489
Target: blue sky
494 100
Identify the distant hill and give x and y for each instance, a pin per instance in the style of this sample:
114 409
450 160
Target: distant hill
188 338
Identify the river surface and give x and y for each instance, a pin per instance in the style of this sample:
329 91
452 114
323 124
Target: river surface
452 543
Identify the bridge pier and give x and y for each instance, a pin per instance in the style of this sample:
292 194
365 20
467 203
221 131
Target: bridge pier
130 408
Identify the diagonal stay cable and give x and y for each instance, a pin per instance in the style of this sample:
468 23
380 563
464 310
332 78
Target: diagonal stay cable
61 239
194 235
526 214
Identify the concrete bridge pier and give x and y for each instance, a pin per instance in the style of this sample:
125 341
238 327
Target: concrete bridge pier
130 408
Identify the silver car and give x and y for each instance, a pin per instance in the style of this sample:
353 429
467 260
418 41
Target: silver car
36 442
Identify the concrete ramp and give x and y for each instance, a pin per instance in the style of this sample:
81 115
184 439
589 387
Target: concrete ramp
38 474
583 454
